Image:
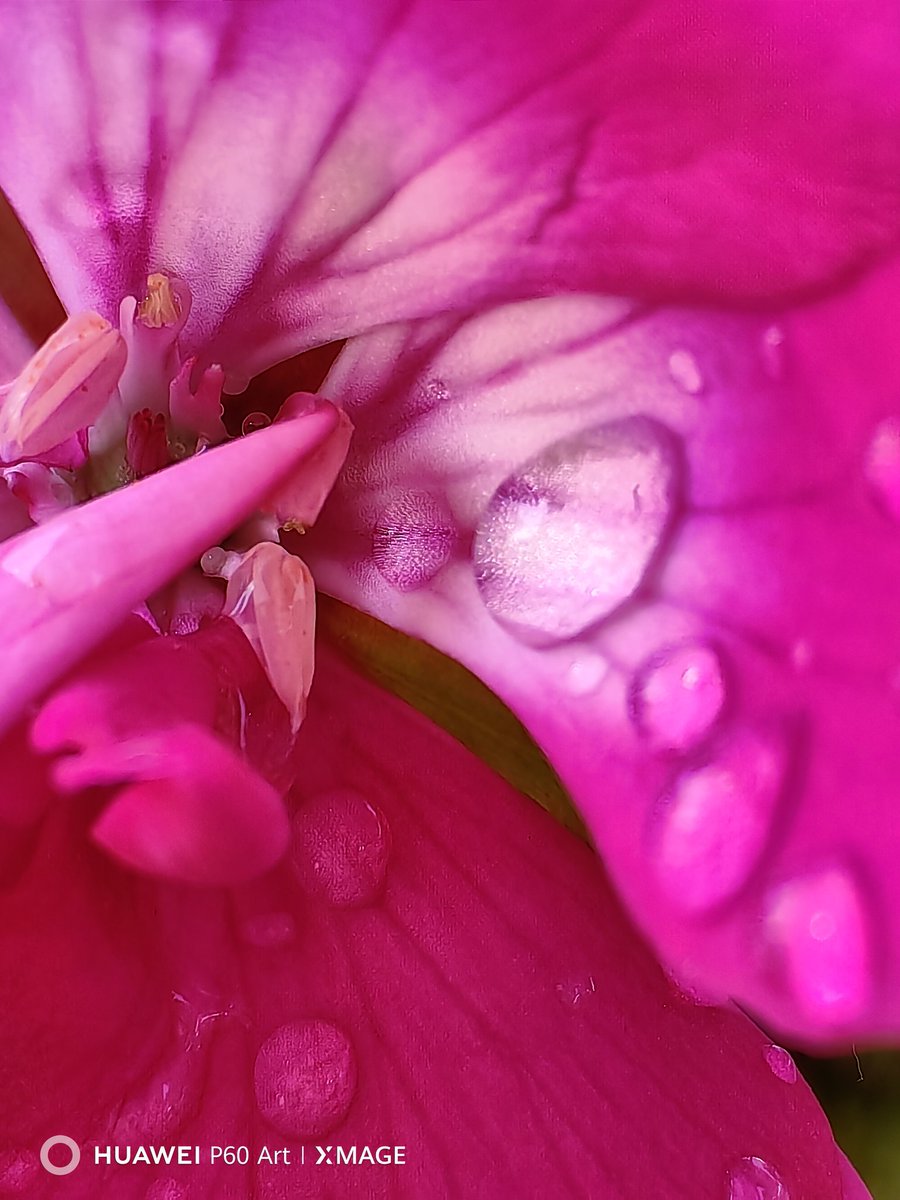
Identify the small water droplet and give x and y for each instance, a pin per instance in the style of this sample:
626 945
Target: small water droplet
18 1170
269 930
341 848
685 372
412 540
716 820
755 1179
773 351
305 1078
254 421
882 466
781 1064
585 674
567 539
677 695
821 925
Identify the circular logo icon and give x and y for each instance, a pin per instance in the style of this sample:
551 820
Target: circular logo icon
60 1139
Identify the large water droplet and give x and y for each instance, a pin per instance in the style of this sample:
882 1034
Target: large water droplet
341 848
305 1078
821 925
412 539
677 695
882 465
716 820
269 930
18 1171
781 1064
685 372
254 421
755 1179
568 538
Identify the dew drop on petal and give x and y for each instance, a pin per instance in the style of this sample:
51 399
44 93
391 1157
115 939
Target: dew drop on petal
685 372
18 1169
304 1078
341 848
585 674
781 1064
821 925
716 820
269 930
677 696
254 421
568 538
412 540
577 992
755 1179
882 465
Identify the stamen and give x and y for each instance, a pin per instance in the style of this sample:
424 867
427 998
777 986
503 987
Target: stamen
161 305
146 443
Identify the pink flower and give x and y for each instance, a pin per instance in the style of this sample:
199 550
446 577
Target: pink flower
658 532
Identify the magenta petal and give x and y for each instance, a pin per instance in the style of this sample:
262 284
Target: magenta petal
64 585
194 811
659 537
375 161
437 966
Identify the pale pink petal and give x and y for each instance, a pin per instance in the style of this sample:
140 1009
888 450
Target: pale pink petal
313 170
66 584
657 535
62 389
437 966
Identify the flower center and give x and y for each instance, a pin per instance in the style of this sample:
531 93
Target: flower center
98 408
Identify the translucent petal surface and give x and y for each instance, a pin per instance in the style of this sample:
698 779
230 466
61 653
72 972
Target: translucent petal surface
379 161
437 965
659 536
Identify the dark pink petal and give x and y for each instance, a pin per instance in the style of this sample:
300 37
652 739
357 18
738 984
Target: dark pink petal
65 585
314 170
194 811
454 978
658 536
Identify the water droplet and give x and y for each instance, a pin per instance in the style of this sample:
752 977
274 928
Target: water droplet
821 924
166 1189
568 538
585 674
754 1179
304 1078
882 465
254 421
773 351
269 930
716 820
412 540
18 1170
685 372
781 1064
677 695
341 848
